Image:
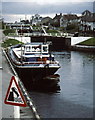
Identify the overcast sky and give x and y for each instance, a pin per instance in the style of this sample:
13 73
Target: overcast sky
47 1
45 6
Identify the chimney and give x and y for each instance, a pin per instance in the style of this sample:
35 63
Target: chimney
56 14
60 14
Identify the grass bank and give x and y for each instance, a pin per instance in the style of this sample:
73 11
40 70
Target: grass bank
52 31
10 42
89 42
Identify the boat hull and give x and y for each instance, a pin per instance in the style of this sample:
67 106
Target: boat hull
34 76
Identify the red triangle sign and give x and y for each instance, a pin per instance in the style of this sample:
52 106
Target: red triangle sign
14 95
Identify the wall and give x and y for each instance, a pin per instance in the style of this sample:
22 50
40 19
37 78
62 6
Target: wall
76 40
57 43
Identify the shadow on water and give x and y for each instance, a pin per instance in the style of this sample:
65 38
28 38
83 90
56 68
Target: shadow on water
43 87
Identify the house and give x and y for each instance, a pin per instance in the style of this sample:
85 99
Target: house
46 21
55 22
68 19
87 21
36 19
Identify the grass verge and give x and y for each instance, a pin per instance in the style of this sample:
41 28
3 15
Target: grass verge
7 31
10 42
89 42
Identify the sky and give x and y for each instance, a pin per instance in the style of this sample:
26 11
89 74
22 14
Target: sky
45 7
41 7
47 1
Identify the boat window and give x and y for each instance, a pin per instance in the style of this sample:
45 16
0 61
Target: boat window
45 48
36 49
28 48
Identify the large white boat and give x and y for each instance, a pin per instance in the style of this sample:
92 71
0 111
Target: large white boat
34 63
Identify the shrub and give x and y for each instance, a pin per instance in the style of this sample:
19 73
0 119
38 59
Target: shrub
7 31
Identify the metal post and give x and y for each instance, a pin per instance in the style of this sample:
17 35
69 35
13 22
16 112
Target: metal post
16 108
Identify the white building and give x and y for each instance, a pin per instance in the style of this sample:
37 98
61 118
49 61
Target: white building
35 19
87 21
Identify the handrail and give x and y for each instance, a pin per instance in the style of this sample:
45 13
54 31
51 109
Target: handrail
40 62
37 62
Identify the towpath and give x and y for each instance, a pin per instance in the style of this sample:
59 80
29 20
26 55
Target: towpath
8 111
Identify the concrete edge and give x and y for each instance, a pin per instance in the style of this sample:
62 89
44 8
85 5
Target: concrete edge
25 93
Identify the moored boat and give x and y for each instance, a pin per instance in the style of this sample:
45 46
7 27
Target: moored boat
34 63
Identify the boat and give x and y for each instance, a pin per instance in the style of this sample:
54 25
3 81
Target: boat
34 63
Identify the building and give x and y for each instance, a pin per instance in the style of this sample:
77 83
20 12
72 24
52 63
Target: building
46 21
36 19
55 22
87 21
68 19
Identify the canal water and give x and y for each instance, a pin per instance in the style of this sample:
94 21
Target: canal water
75 99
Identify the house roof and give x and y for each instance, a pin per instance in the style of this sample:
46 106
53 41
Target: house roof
86 12
46 19
88 18
57 16
70 17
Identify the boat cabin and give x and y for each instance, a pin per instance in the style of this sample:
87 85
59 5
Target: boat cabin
36 52
29 48
33 53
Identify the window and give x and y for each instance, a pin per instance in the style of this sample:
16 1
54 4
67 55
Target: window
45 49
36 48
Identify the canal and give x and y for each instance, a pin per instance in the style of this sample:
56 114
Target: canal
75 99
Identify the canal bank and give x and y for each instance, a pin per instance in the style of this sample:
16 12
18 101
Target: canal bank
85 44
9 111
15 111
83 48
21 112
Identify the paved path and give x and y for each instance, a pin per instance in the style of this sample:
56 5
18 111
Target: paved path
5 76
8 111
0 77
0 85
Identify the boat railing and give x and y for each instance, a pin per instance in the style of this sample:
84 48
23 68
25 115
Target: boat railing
34 62
40 62
16 62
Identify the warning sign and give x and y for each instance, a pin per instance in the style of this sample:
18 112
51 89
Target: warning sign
14 95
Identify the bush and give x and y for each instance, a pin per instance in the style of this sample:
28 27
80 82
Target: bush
52 31
7 31
71 27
